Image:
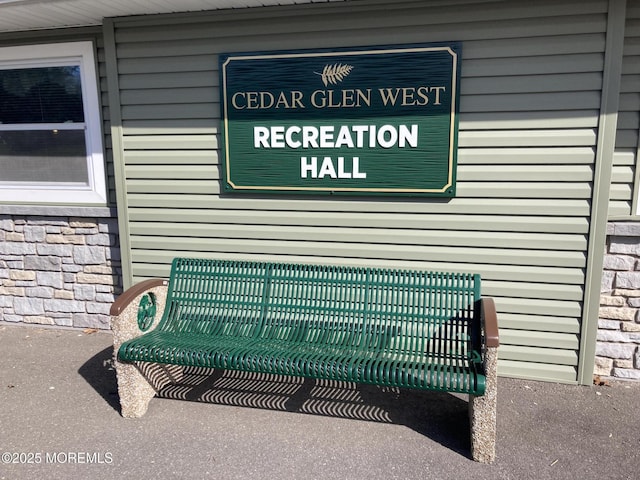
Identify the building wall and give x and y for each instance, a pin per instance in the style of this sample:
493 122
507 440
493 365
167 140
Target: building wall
60 264
618 340
531 93
618 346
532 77
61 271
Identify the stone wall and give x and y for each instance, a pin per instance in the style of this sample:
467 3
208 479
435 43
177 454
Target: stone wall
618 344
58 270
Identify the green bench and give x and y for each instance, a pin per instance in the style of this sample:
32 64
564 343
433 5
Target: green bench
387 327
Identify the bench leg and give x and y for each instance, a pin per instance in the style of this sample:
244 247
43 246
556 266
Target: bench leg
482 412
138 384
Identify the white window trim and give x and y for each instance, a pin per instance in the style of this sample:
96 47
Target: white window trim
57 54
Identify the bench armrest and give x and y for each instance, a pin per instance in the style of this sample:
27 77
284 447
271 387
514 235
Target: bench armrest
490 322
130 317
132 293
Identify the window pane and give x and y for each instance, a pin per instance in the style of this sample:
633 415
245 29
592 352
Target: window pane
49 156
41 95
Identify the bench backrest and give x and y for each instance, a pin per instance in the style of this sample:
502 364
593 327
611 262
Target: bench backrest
403 311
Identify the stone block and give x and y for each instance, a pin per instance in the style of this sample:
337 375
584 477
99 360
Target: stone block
40 320
627 280
72 268
603 366
55 250
89 255
6 224
636 358
84 292
609 301
105 297
87 231
626 373
22 275
84 320
14 237
47 264
39 292
66 239
101 239
626 293
606 283
613 336
617 313
619 262
63 320
49 279
28 306
12 291
96 279
65 295
17 248
34 233
47 221
99 269
623 363
630 327
102 308
77 222
627 229
609 324
615 350
634 337
64 306
625 245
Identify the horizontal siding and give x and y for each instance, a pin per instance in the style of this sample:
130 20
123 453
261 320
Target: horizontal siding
530 99
621 197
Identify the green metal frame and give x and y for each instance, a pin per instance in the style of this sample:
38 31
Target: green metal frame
398 328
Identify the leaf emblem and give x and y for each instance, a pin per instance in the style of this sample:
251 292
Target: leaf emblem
332 74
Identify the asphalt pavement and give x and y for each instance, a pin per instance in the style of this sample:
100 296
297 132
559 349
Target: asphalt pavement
59 419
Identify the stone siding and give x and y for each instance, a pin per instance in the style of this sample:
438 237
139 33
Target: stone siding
618 343
62 271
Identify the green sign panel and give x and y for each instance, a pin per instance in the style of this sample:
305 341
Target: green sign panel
358 121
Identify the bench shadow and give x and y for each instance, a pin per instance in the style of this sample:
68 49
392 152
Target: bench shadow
99 372
440 416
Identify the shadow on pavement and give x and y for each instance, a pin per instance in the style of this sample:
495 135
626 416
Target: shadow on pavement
439 416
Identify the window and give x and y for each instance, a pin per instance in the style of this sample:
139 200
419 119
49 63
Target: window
50 135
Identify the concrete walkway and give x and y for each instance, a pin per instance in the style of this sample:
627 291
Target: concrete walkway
59 419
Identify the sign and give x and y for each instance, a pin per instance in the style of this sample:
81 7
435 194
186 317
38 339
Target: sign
351 121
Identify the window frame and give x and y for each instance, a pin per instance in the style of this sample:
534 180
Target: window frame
62 54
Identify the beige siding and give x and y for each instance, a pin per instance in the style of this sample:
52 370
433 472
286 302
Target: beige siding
625 159
530 98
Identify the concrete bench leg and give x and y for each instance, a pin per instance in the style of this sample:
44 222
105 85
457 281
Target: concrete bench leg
482 412
138 384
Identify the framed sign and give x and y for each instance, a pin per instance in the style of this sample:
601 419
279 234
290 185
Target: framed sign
367 121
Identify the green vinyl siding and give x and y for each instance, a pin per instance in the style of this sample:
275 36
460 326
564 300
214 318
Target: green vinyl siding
623 200
531 80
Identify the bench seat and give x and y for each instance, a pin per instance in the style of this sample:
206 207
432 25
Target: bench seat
387 368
